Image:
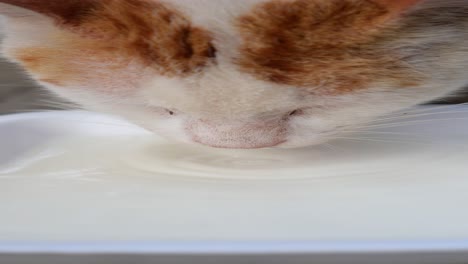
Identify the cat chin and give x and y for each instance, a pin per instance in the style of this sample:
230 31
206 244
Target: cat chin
284 144
240 145
279 143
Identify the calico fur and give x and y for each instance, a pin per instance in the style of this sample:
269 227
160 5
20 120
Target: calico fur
245 73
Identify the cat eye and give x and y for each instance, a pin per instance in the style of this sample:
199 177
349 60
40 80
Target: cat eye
211 52
296 112
170 112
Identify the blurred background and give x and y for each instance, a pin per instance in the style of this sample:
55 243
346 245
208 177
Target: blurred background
19 94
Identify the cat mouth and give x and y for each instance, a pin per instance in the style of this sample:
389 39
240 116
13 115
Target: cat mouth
240 145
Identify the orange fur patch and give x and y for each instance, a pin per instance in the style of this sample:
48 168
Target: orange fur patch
108 35
69 12
154 32
332 44
42 61
83 67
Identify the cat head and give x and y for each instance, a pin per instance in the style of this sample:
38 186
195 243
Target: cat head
240 74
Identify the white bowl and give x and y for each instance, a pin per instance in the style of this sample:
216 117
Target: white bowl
78 182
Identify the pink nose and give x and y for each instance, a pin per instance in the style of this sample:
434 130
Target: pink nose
240 136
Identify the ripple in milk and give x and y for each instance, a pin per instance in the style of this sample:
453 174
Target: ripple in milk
144 188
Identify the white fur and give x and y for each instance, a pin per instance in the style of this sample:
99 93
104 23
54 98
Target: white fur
224 107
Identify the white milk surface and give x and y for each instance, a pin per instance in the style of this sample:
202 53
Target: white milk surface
82 177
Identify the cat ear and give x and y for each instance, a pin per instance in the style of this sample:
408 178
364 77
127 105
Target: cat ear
398 6
62 11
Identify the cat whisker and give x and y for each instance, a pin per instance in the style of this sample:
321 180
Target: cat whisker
425 109
100 123
82 121
332 147
379 132
418 115
58 103
379 140
414 122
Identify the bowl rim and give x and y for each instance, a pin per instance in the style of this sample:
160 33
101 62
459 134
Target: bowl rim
235 247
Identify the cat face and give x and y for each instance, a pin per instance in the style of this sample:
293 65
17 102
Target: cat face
240 74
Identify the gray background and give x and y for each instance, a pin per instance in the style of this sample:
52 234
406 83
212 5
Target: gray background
18 93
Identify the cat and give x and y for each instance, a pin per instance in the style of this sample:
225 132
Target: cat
244 73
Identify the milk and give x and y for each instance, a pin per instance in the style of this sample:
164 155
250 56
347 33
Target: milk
138 187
